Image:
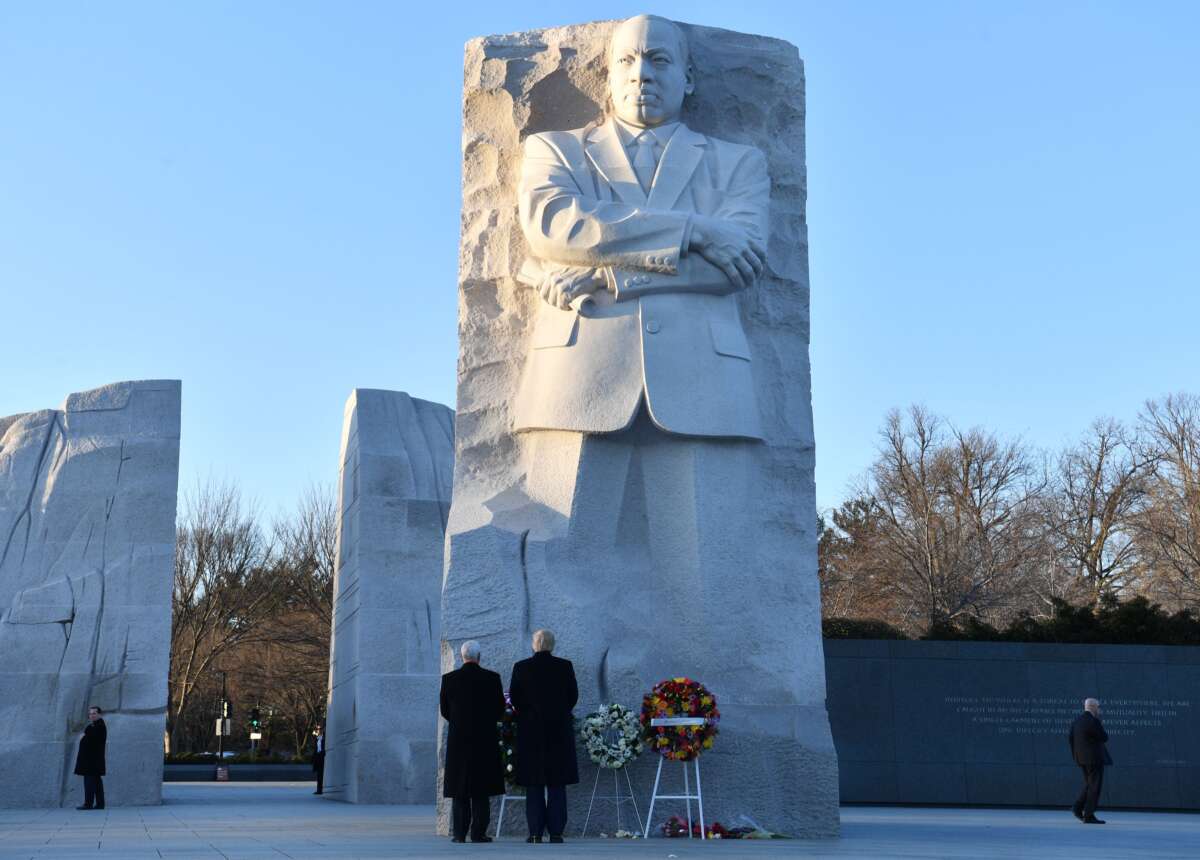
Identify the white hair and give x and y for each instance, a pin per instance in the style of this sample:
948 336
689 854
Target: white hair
543 640
469 651
1090 704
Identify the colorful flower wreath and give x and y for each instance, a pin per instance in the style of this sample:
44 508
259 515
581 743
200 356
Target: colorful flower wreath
680 697
612 736
508 742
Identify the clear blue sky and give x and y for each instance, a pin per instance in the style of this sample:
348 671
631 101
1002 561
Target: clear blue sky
1004 211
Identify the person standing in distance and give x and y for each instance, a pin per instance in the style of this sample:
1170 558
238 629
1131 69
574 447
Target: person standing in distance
1088 738
543 692
89 763
318 763
472 703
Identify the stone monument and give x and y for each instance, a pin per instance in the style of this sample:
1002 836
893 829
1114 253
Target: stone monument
634 460
396 470
87 545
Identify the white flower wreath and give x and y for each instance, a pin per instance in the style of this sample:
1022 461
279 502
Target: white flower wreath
612 736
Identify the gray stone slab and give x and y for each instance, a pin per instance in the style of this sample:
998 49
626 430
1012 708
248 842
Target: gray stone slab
87 537
397 461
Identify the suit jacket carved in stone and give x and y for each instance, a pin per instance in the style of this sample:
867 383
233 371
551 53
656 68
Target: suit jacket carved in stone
668 327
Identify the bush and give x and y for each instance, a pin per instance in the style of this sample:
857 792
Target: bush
1136 621
859 628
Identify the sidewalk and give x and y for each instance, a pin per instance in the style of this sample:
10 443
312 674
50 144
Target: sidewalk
282 820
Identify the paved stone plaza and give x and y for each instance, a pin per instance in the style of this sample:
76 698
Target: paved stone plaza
260 820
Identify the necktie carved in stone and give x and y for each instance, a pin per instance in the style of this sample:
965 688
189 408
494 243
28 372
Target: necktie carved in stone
644 161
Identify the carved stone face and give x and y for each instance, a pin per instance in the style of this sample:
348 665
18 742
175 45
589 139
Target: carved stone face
648 72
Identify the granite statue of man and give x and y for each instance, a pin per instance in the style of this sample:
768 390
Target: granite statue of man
642 231
634 454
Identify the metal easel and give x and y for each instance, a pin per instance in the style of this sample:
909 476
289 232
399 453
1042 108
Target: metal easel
687 791
616 796
505 798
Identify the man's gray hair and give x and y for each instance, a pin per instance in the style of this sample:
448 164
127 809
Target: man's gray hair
543 640
1090 704
469 651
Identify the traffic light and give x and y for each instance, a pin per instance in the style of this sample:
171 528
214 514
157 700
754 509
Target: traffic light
255 722
226 709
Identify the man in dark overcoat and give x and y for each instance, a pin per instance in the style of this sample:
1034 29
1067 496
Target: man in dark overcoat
89 763
1088 738
318 762
472 701
543 692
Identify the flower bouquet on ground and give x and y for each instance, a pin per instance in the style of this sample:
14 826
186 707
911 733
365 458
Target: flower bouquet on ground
676 698
508 744
612 736
676 827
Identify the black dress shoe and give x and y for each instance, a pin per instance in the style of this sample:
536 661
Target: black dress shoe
97 807
556 839
1077 814
537 839
457 839
1092 820
481 839
83 807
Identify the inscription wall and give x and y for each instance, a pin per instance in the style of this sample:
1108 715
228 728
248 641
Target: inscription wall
986 722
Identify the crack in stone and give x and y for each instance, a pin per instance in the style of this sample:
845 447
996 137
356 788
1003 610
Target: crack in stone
67 626
602 676
525 578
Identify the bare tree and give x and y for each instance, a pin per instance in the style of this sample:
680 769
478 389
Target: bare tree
1169 527
1099 489
960 523
223 592
307 542
855 581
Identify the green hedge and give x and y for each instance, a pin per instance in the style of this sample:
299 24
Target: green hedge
240 758
859 628
1132 622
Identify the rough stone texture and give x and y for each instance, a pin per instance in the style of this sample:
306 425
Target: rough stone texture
396 469
87 542
519 556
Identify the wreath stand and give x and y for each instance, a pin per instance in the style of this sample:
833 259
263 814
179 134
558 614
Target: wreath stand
505 798
687 791
616 796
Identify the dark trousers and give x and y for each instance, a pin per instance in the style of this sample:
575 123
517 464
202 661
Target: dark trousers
93 791
546 809
319 767
470 813
1089 795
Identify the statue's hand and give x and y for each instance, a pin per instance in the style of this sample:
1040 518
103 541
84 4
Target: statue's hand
730 247
563 283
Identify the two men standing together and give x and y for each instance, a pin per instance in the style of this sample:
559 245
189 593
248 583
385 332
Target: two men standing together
543 693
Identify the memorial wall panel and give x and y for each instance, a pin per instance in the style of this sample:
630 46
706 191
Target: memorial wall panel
986 722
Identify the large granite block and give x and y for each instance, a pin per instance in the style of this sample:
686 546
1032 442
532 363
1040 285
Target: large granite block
396 463
87 543
635 471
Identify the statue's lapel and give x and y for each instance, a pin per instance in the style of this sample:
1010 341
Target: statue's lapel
608 155
675 167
